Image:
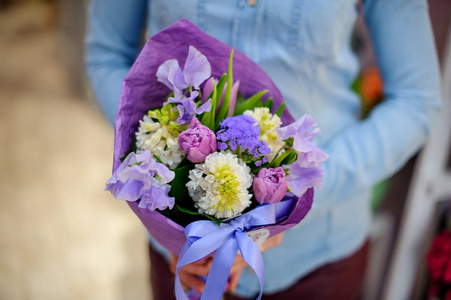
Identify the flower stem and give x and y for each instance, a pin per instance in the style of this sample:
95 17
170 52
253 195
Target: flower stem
277 154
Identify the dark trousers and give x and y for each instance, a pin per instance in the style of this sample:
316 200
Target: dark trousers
341 280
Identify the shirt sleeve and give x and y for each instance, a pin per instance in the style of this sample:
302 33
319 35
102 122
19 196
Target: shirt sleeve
395 130
114 37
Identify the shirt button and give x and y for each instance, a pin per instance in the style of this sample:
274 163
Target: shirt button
251 2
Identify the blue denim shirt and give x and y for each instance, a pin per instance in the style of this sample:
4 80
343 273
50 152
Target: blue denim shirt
304 45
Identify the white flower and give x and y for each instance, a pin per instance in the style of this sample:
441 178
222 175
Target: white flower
160 141
219 185
269 124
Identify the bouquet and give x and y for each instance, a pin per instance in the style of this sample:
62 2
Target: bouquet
202 157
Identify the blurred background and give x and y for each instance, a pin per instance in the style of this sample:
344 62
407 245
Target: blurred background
63 237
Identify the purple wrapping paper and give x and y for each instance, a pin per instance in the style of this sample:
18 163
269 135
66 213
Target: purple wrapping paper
141 91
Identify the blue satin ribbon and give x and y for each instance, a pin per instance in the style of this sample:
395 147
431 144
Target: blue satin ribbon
205 237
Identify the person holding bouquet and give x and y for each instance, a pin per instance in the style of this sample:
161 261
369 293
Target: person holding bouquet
304 46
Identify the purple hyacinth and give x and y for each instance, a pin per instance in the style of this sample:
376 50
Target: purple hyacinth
242 131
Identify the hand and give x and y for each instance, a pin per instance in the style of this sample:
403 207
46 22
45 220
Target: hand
272 242
189 273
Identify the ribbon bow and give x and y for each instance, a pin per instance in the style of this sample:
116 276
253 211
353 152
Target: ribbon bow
205 237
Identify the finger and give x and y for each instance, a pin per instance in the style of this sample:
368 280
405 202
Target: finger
198 268
173 263
272 242
238 264
190 281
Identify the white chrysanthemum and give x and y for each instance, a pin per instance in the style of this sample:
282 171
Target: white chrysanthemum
159 140
268 128
219 185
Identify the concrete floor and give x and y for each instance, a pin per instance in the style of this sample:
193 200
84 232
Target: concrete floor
61 235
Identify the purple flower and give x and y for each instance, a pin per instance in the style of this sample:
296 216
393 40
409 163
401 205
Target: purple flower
208 89
303 131
242 131
197 69
300 179
188 108
270 185
140 176
157 197
198 141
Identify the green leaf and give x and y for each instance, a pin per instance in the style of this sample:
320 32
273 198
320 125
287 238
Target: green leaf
170 95
223 112
208 118
251 103
157 159
240 99
125 156
179 217
220 87
276 162
291 158
184 163
198 214
279 110
268 103
178 186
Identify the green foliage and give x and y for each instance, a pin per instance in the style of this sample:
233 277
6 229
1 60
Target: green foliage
280 109
184 216
250 103
224 110
277 161
269 103
289 159
178 186
199 215
208 118
169 96
157 159
220 87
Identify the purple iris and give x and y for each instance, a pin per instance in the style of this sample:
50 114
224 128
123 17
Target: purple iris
141 177
242 131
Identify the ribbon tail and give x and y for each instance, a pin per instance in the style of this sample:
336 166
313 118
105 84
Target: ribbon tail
220 269
179 292
252 255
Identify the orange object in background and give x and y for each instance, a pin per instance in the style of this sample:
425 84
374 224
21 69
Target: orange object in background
370 88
